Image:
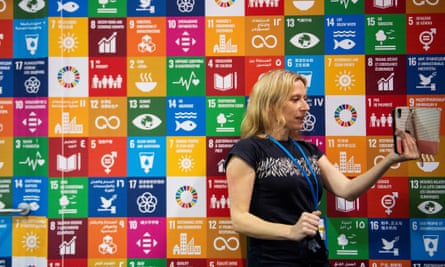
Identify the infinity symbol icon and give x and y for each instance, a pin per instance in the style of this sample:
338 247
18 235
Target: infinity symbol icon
232 243
112 122
2 5
269 41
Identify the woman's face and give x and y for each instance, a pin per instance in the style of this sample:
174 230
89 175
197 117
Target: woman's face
296 107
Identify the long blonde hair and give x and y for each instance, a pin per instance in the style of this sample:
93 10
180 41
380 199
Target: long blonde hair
265 104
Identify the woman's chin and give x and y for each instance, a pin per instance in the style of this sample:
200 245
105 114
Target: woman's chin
297 129
299 125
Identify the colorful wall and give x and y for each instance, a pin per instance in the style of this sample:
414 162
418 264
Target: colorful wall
116 116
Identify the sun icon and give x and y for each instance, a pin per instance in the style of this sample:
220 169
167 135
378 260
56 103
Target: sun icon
31 242
68 42
186 163
345 80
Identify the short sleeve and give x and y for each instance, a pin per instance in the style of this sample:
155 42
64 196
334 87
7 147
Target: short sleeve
244 149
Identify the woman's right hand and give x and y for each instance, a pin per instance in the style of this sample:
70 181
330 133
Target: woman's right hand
306 226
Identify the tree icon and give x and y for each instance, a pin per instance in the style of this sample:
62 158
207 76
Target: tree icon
342 241
380 36
221 119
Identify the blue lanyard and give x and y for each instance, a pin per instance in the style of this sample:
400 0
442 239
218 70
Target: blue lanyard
314 191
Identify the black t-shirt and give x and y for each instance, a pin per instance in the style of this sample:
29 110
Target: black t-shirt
280 194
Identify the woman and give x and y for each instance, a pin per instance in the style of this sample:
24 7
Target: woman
275 181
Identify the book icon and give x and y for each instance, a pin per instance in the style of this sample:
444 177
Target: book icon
225 83
68 164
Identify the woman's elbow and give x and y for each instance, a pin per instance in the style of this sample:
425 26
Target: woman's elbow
237 228
346 194
350 197
237 223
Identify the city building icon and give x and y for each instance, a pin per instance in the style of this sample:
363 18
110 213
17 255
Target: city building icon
225 46
186 247
68 125
348 165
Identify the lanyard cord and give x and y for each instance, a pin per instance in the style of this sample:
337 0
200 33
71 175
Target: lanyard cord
314 191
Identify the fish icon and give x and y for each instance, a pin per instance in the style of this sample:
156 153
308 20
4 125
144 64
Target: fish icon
344 44
186 125
68 6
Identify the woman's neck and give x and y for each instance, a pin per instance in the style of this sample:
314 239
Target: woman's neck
279 134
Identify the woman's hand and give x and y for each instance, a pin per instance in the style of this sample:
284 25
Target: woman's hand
410 150
306 226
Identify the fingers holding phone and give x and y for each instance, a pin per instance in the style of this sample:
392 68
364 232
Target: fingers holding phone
406 145
416 126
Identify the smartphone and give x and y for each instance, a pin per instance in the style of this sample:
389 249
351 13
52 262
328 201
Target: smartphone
422 123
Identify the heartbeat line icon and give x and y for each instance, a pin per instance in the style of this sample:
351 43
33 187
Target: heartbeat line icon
345 3
33 163
193 79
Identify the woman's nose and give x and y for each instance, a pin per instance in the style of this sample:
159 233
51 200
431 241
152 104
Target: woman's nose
306 105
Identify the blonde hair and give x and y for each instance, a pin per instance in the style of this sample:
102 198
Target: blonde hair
265 104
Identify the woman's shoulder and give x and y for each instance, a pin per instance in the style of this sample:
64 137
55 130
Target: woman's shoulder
251 141
250 145
248 149
310 147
